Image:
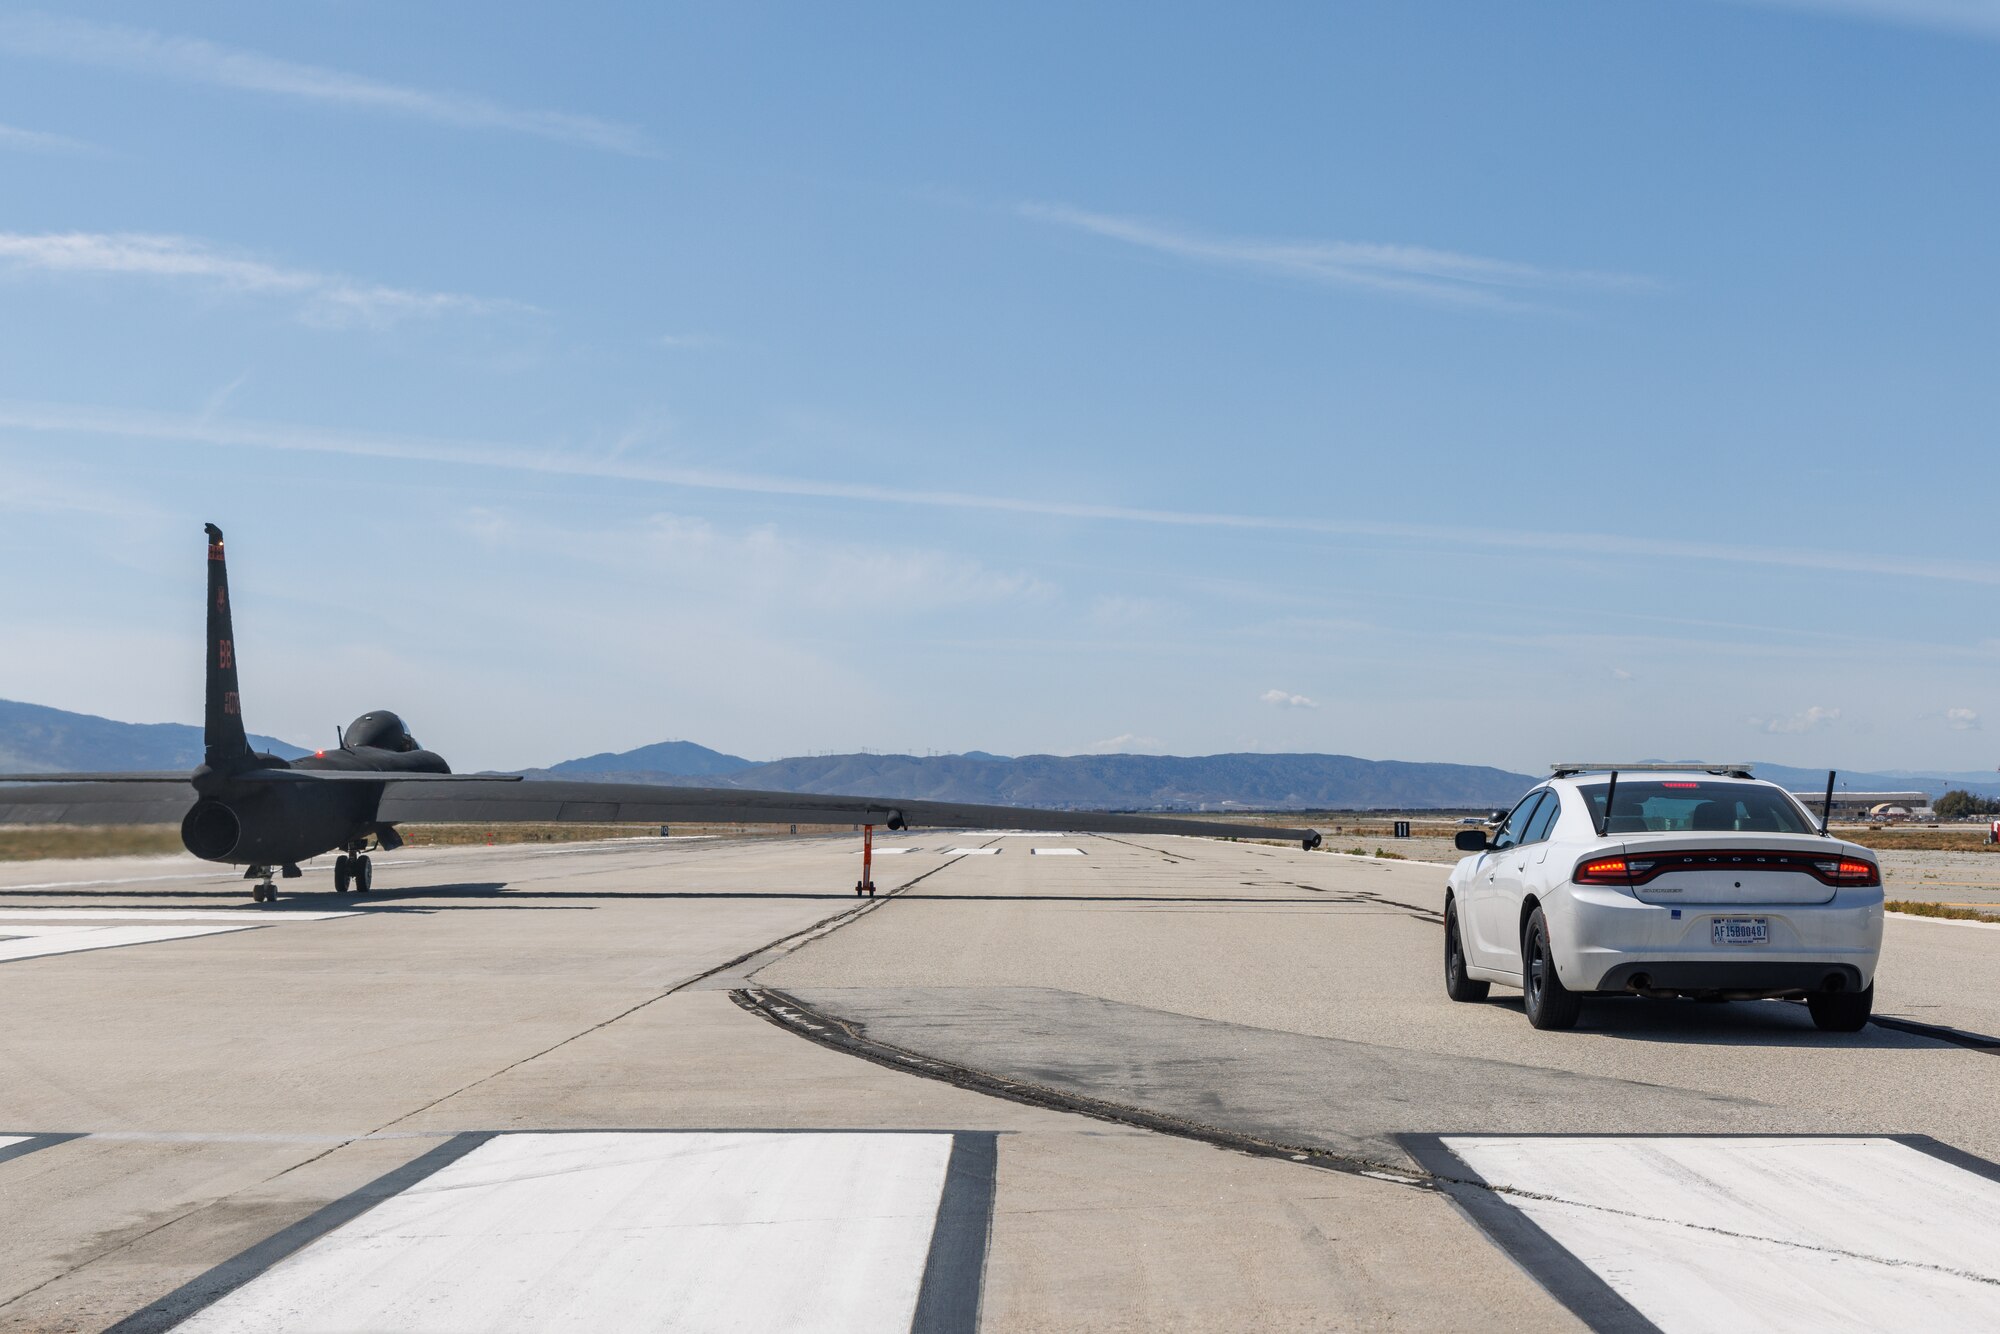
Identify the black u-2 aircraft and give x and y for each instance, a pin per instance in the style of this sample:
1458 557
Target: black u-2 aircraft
267 814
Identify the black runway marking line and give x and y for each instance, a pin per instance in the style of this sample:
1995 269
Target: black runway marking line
954 1279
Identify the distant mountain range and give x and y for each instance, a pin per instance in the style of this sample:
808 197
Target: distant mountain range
1100 782
681 758
34 739
38 739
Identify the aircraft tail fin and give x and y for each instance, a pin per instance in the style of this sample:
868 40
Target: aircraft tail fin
226 747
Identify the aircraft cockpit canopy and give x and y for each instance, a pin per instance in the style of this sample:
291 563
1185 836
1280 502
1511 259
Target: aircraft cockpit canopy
380 730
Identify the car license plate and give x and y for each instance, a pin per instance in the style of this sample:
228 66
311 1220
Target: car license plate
1739 931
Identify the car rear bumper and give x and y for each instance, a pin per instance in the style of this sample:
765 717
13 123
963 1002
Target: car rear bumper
1700 976
1607 940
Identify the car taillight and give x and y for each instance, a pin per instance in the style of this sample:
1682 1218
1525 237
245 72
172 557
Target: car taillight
1606 871
1847 871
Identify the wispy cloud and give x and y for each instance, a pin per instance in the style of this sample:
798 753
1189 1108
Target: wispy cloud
325 298
1962 719
1806 720
67 419
1975 18
195 60
1397 270
16 139
764 565
1286 700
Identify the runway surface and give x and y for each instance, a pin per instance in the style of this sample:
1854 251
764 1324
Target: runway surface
1039 1083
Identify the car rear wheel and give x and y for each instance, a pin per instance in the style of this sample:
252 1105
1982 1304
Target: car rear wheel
1549 1003
1456 984
1841 1011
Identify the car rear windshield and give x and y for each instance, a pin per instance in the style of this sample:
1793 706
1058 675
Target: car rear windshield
1674 806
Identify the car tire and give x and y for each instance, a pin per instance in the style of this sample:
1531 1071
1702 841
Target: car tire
1841 1011
1549 1003
1456 984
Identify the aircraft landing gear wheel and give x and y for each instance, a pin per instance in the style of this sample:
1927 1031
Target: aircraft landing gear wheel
364 875
343 873
264 894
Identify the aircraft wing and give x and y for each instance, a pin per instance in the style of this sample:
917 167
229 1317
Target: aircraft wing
438 802
159 799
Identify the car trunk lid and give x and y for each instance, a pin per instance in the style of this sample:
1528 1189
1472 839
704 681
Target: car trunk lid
1710 869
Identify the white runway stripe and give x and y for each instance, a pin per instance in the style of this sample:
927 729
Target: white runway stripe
242 916
1774 1233
973 852
593 1232
35 940
1057 852
9 1141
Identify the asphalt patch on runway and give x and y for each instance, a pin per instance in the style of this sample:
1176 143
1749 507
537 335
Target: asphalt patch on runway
1259 1089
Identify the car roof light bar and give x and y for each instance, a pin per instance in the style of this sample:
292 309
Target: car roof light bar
1653 767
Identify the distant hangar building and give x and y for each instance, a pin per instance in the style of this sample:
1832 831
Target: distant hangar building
1877 806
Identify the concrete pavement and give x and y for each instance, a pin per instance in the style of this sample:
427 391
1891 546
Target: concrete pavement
380 1087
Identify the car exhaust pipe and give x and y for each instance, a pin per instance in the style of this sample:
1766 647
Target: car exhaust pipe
1834 982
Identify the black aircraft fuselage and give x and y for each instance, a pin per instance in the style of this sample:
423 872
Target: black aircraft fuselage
252 811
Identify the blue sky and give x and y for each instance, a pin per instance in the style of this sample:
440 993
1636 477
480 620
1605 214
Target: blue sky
1496 382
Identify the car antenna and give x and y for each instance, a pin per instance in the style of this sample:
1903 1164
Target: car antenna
1610 791
1826 807
340 736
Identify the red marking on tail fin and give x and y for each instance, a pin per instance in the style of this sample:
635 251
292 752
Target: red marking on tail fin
225 654
231 705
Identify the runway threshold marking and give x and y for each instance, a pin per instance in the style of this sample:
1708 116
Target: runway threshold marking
1686 1233
33 942
37 933
1056 852
972 852
253 916
658 1230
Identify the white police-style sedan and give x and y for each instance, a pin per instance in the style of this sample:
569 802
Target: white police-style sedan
1655 881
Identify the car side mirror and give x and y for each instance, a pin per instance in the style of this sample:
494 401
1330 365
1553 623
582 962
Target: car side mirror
1471 840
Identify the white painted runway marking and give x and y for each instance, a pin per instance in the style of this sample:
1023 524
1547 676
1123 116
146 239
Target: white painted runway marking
592 1232
1058 852
35 941
1763 1233
973 852
220 873
893 852
9 1141
246 916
